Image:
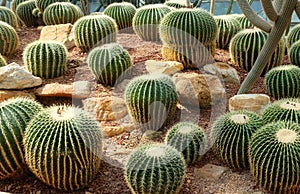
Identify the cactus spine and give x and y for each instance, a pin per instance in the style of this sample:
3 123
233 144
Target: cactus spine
8 16
294 53
9 39
293 36
43 4
25 13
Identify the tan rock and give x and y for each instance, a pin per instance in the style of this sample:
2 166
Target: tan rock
252 102
210 171
166 67
117 130
7 94
224 71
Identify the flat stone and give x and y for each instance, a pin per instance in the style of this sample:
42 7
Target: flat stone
166 67
251 102
7 94
224 71
117 130
210 171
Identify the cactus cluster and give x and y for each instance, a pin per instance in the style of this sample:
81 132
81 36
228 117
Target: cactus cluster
8 16
2 61
155 168
15 114
294 53
43 4
24 13
293 36
46 59
9 39
63 147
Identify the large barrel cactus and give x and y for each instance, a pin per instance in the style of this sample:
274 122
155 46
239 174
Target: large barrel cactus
46 59
95 30
15 114
151 100
231 134
293 36
246 45
63 147
8 16
294 53
155 168
24 12
14 4
274 157
9 39
43 4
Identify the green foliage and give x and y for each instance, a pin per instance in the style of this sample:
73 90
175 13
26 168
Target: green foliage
43 4
154 169
2 61
24 13
8 16
9 39
293 36
294 53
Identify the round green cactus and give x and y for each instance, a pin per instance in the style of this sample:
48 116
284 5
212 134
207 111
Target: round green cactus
175 3
122 13
231 134
46 59
189 139
43 4
15 114
245 47
9 39
2 61
8 16
146 20
287 109
25 15
108 63
283 81
293 36
61 13
63 147
151 100
14 4
243 20
274 157
95 30
294 53
155 168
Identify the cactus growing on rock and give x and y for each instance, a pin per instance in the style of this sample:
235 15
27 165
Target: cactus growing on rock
43 4
24 12
9 39
294 53
8 16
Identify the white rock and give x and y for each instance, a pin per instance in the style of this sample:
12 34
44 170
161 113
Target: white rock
223 70
252 102
166 67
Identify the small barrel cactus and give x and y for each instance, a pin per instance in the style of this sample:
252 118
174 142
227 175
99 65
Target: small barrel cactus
109 62
25 13
242 19
9 39
61 13
287 109
294 53
122 13
43 4
175 4
189 139
231 134
151 100
95 30
246 45
46 59
274 157
14 4
155 168
293 36
8 16
2 61
15 114
283 81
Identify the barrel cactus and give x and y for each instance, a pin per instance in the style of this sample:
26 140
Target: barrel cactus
43 4
283 81
15 114
242 19
9 39
293 36
25 15
155 168
274 157
231 134
8 16
151 100
294 53
14 4
46 59
189 139
95 30
2 61
175 3
246 45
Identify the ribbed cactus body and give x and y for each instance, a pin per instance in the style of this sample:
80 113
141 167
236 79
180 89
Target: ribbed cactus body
2 61
61 13
175 3
136 3
293 36
294 53
46 59
151 100
14 4
122 13
189 139
274 157
231 134
63 147
242 19
155 169
95 30
246 45
146 21
9 39
25 15
43 4
108 63
8 16
15 115
283 81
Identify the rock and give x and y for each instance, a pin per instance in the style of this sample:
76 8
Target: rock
252 102
204 89
106 108
7 94
166 67
117 130
79 89
210 171
61 33
223 70
13 76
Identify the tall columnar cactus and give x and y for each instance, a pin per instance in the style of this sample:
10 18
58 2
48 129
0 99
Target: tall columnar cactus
246 45
2 61
188 36
43 4
9 39
46 59
242 19
287 109
95 30
14 4
293 36
15 114
122 13
151 100
8 16
63 147
108 63
283 81
231 134
294 53
155 168
146 20
61 13
274 157
189 139
25 13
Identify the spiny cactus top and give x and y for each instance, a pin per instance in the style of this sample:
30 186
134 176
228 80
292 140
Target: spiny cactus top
63 147
154 169
9 39
8 16
43 4
14 4
175 3
293 36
